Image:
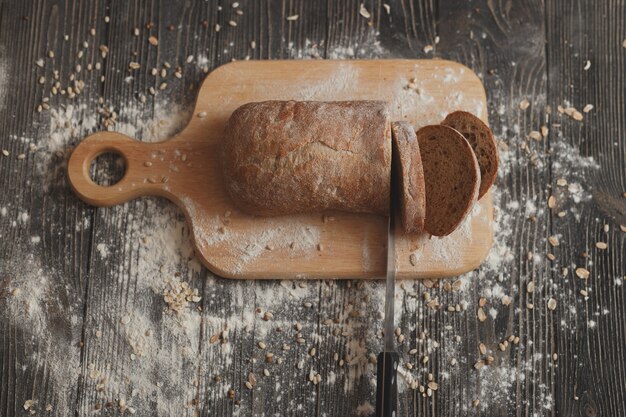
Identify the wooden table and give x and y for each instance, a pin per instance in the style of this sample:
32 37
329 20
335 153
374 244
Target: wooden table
96 320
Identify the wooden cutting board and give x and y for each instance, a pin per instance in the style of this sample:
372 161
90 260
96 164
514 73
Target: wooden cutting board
186 170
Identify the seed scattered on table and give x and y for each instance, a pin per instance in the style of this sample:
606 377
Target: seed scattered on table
524 104
582 273
481 314
551 304
364 12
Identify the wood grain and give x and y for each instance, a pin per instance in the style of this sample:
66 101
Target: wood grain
522 50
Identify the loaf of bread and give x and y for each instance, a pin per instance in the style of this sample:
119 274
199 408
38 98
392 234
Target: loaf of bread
451 175
409 177
481 139
286 157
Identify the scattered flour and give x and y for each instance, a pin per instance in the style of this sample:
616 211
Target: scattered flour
103 250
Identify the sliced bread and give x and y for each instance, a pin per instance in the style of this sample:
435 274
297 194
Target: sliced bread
410 188
484 145
451 175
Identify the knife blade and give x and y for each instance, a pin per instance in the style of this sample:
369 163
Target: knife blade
388 359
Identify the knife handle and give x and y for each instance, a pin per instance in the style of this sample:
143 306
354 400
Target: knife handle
387 384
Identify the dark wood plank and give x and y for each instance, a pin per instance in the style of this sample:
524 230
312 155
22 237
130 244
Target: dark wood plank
592 376
503 42
98 333
44 253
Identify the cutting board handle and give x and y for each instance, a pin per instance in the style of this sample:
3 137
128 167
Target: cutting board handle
143 165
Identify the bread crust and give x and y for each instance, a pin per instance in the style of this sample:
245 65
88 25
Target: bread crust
483 143
451 175
409 177
286 157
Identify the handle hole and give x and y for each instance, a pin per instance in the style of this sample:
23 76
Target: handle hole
107 169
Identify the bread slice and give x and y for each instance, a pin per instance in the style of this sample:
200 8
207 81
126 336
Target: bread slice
484 145
451 175
409 173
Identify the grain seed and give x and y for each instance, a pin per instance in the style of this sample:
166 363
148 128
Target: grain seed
482 348
587 108
428 48
153 40
217 27
576 115
433 385
481 314
202 115
261 345
524 104
551 304
476 403
479 364
553 240
293 17
535 135
530 287
587 65
248 385
582 273
252 378
232 23
601 245
544 131
584 293
364 12
552 202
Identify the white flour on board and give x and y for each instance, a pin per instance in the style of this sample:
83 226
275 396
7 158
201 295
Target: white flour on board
300 240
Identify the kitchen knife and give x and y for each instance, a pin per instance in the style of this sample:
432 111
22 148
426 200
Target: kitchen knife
388 359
